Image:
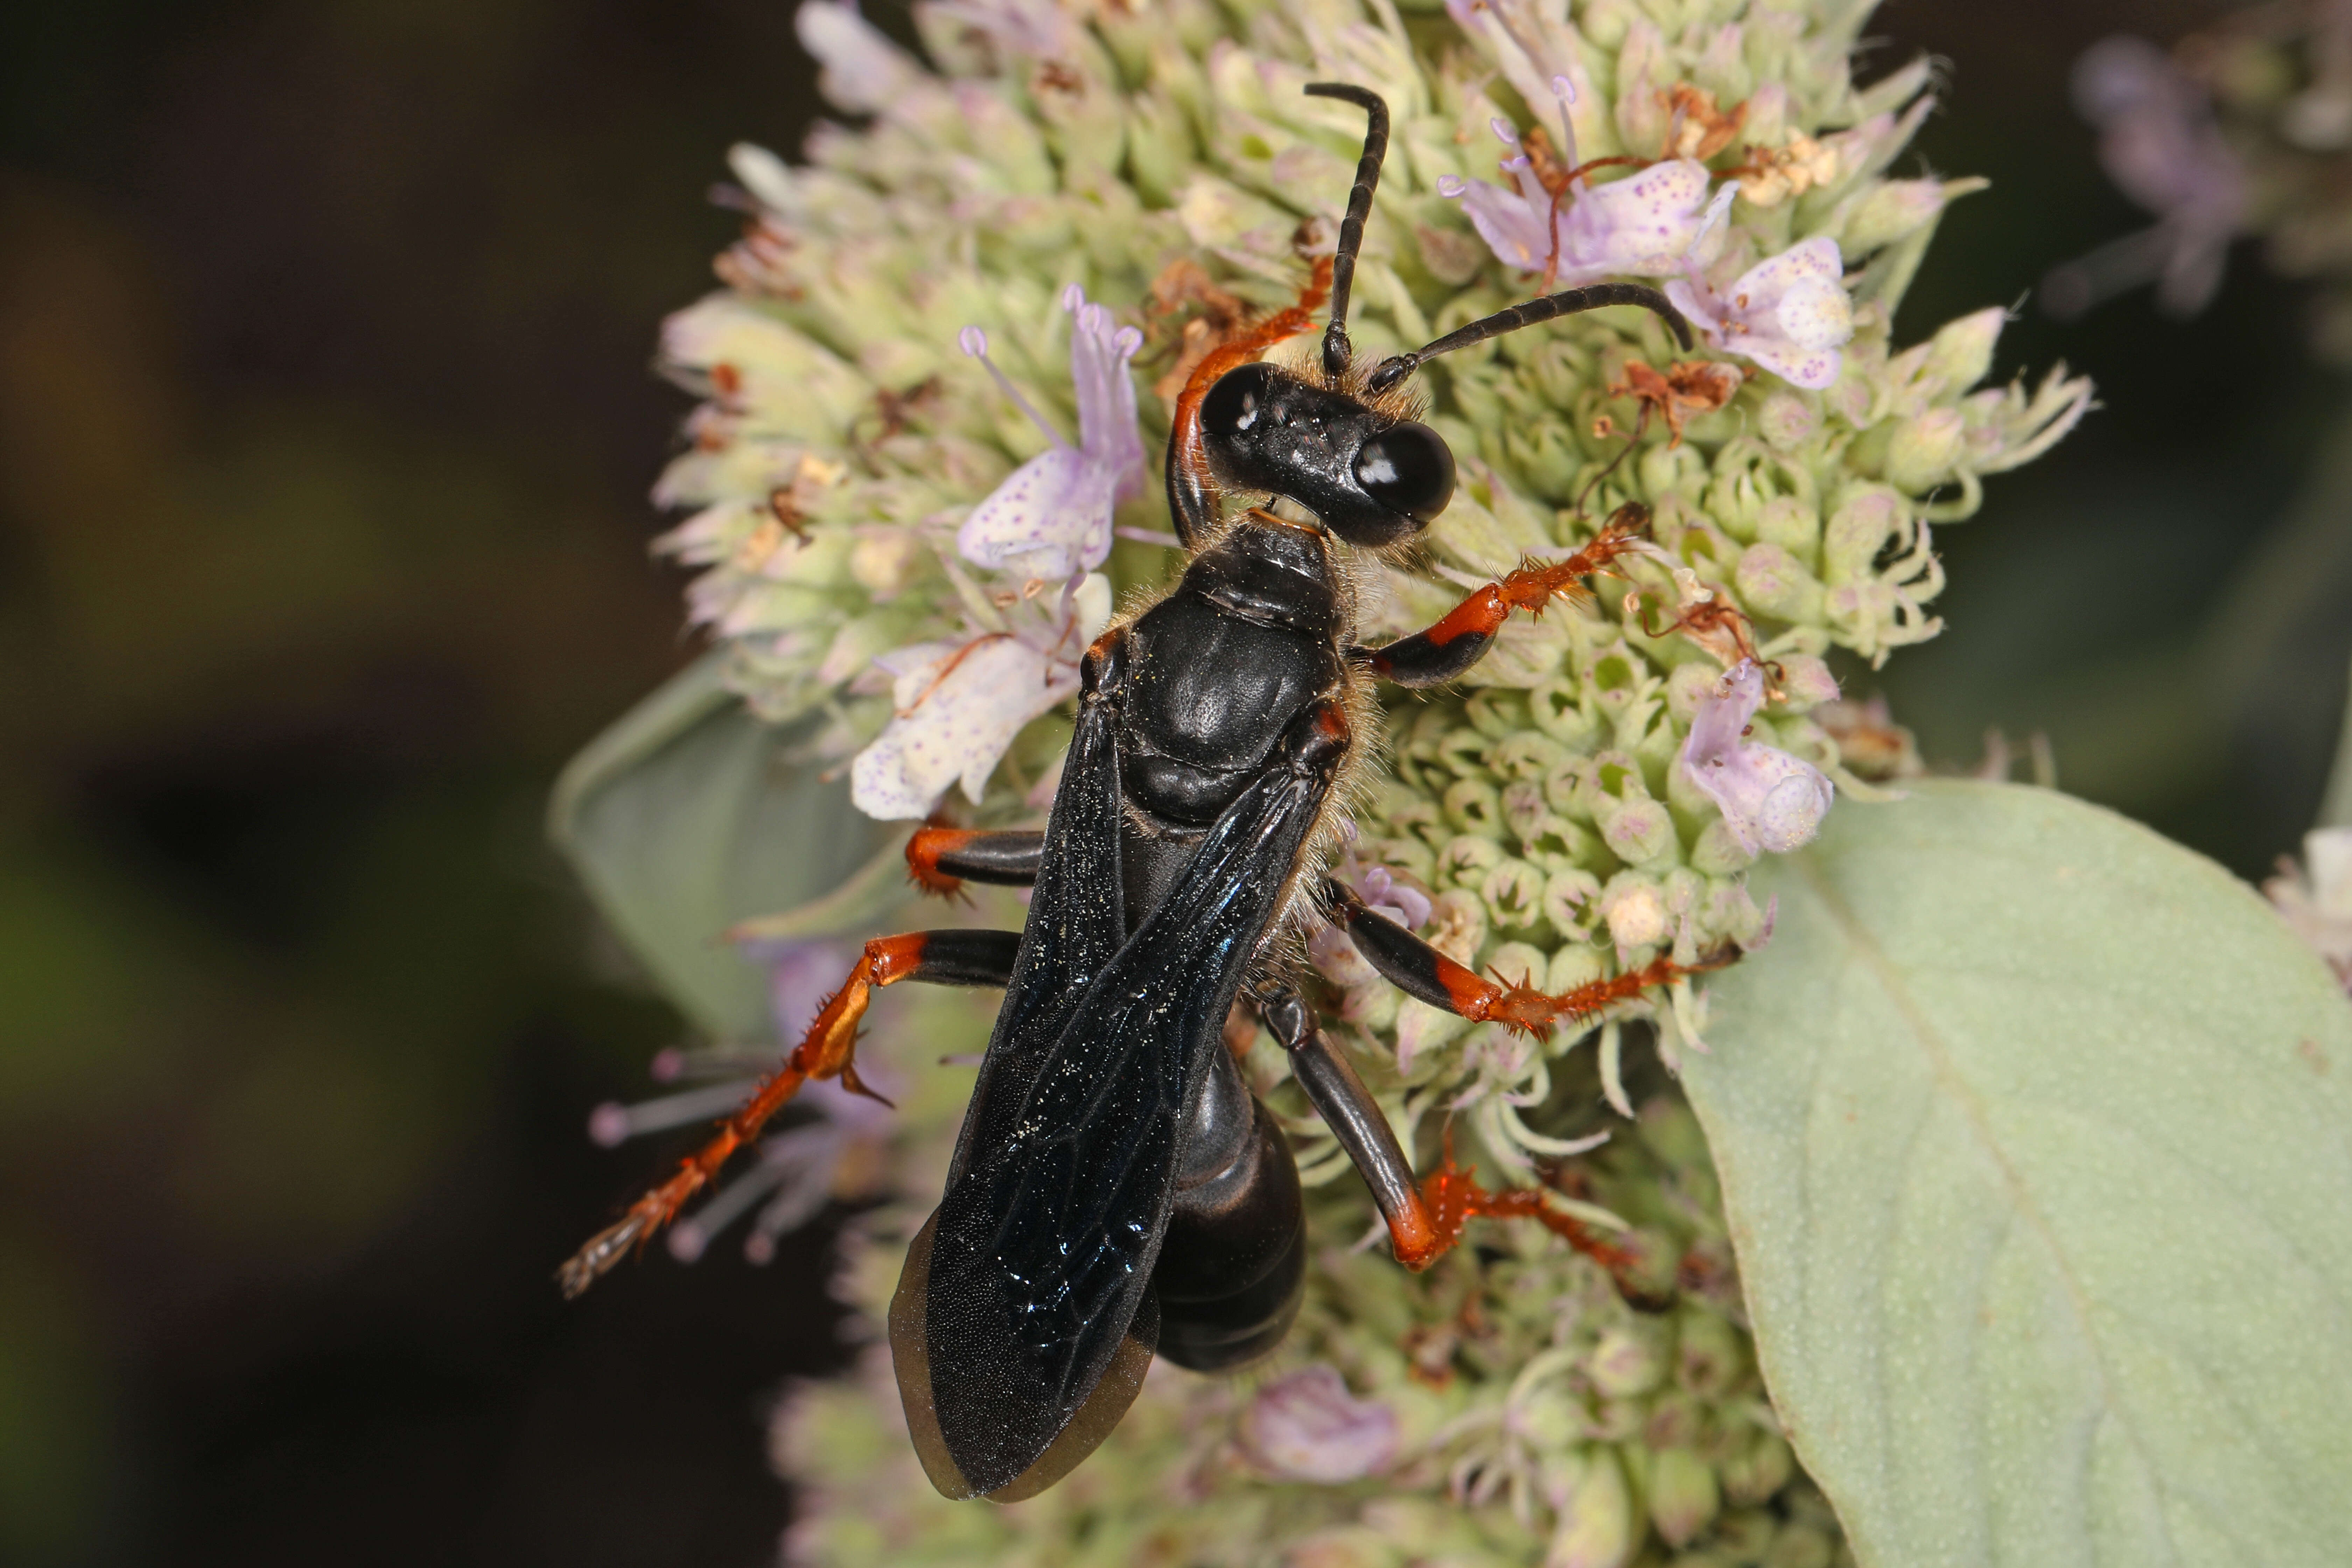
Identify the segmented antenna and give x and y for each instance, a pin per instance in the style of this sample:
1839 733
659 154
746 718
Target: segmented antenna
1531 314
1337 351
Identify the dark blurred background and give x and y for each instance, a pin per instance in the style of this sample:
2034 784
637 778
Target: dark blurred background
326 424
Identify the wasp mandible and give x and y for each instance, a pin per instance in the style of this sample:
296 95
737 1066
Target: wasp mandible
1117 1191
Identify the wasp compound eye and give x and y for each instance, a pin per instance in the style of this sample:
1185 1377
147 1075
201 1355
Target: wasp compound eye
1407 468
1239 400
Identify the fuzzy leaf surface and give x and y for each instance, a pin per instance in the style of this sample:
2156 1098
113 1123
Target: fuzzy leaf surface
2035 1132
688 816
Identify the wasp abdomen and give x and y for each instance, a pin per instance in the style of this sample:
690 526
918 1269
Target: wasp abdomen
1234 1264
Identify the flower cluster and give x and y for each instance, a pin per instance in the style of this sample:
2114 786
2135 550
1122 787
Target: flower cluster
894 530
2244 128
1508 1409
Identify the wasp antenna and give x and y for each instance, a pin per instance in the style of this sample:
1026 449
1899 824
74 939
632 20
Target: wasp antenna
1338 352
1532 314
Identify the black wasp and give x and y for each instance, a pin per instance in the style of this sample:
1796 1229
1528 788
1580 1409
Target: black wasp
1117 1191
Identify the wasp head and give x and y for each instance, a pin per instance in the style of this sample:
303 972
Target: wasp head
1372 477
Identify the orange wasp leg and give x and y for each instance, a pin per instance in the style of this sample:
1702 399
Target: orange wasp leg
1449 1198
1459 640
827 1050
940 859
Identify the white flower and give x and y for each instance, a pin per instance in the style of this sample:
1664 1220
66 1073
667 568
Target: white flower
960 704
1789 315
1770 799
1051 519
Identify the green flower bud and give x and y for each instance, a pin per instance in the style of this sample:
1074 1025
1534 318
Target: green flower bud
1683 1495
1757 1470
1571 902
1629 1359
1960 354
1572 790
1675 1421
1475 806
1524 808
1514 895
1858 530
1496 713
1596 1521
1688 685
1787 421
1771 581
1717 851
1638 831
1800 1546
1526 755
1559 709
1893 210
1555 844
1467 858
1807 682
1709 1358
1744 1534
1792 524
1921 454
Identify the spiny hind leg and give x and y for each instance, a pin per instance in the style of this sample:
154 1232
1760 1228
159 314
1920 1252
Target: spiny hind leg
1419 970
1425 1218
827 1050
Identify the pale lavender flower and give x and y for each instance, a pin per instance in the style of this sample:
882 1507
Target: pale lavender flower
1790 314
1644 226
1328 948
1037 29
864 73
1051 519
1306 1427
1770 799
1400 901
2316 898
2159 143
960 704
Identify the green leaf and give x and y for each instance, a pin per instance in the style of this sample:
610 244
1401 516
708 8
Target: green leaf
2035 1133
690 816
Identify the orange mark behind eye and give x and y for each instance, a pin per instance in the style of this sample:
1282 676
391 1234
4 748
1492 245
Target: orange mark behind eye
1243 346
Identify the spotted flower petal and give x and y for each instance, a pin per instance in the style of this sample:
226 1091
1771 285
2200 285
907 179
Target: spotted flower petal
1051 519
1770 799
1790 314
1642 226
960 704
1646 226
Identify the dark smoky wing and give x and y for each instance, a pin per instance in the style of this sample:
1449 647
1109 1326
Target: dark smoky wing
1077 924
1046 1242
